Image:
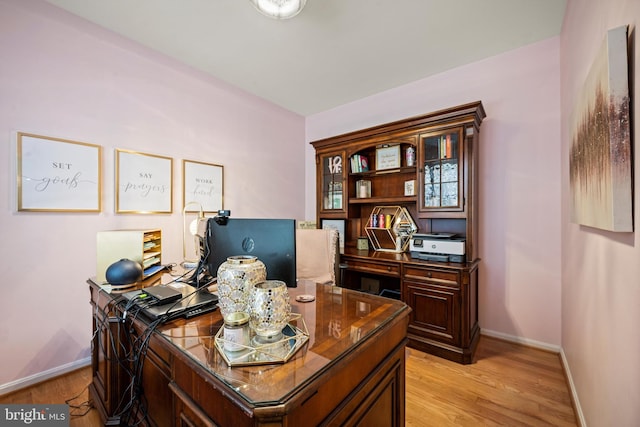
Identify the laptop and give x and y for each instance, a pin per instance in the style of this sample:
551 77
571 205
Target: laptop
173 300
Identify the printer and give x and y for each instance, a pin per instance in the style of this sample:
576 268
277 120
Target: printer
443 247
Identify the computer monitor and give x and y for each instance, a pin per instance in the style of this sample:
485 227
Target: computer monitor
272 241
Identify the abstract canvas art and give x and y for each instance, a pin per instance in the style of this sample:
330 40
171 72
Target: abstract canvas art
600 169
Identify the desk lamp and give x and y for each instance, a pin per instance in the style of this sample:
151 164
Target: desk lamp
191 260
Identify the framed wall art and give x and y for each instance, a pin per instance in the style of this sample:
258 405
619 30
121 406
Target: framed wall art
58 175
144 183
335 224
203 183
600 158
388 157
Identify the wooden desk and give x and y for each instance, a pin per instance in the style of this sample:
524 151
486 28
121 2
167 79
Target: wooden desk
350 372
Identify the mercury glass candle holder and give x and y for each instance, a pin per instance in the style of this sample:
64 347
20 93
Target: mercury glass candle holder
270 310
236 276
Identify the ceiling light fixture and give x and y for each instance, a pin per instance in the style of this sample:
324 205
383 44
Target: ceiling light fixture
279 9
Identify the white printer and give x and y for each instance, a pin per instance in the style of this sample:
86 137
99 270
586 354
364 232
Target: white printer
437 247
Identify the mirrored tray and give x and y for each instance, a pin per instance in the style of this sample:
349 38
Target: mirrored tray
294 336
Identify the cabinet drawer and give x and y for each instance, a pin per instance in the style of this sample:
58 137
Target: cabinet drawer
372 267
432 275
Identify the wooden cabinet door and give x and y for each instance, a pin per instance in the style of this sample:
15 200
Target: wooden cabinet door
442 177
378 401
435 311
187 412
332 191
155 383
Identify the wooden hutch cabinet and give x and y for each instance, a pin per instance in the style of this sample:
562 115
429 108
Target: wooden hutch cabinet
428 167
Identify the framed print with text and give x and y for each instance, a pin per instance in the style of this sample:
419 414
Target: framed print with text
203 184
388 157
58 175
144 183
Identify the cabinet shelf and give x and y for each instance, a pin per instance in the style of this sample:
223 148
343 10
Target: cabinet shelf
383 200
404 169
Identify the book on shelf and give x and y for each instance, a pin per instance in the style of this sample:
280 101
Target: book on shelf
359 163
446 147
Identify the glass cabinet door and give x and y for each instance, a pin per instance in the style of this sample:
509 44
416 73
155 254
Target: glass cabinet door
332 181
441 167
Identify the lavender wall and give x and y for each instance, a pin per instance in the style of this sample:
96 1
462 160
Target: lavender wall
519 178
600 269
63 77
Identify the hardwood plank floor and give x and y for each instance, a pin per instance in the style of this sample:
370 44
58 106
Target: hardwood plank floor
72 387
509 384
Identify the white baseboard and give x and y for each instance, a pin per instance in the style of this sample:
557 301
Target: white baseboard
43 376
574 394
563 360
519 340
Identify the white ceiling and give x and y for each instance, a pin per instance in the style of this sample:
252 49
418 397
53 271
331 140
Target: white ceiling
334 51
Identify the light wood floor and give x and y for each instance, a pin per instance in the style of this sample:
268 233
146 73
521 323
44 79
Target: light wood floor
508 385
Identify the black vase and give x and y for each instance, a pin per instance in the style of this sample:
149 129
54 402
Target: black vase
123 272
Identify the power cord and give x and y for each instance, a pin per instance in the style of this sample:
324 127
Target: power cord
85 406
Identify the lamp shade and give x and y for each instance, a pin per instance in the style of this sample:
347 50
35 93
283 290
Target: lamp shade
190 245
279 9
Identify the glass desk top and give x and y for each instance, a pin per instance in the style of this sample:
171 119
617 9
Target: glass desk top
337 321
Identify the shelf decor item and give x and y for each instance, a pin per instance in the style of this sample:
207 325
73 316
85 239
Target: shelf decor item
390 228
363 189
362 244
410 187
388 157
236 276
410 156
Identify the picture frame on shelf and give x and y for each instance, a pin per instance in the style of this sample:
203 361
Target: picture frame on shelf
58 175
202 183
335 224
410 187
144 183
388 157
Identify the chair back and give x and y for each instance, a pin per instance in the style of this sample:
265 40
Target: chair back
317 255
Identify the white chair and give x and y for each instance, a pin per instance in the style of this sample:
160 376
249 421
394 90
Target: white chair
317 255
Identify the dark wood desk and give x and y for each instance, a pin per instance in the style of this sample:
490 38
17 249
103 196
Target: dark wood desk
350 372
